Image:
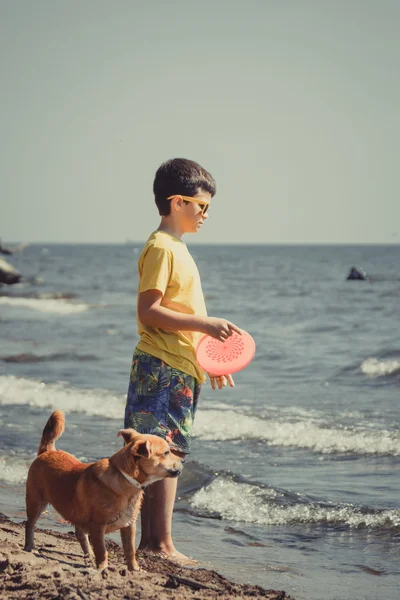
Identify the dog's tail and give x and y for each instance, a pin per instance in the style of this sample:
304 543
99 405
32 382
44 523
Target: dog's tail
52 431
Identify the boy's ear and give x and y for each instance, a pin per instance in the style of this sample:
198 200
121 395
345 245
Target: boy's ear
177 202
127 434
142 449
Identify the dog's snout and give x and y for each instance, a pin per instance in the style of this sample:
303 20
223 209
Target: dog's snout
174 472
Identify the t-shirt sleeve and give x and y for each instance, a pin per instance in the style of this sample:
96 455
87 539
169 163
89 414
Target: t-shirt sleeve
155 270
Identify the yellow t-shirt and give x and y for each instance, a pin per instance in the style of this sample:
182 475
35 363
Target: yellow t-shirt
167 265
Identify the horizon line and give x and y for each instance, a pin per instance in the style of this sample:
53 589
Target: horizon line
141 242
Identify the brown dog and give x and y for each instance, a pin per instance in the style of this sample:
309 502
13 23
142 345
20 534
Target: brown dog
97 497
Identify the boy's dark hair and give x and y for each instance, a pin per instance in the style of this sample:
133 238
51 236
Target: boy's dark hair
180 176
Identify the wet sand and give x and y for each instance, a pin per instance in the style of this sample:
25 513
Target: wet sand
57 570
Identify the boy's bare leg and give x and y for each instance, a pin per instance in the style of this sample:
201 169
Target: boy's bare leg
156 519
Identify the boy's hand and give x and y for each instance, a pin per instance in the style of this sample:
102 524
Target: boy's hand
220 329
221 381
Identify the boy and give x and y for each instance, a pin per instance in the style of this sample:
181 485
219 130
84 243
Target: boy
165 377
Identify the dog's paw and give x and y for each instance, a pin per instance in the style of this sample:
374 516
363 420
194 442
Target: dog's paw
135 567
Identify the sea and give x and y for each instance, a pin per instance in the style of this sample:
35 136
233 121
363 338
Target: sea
293 482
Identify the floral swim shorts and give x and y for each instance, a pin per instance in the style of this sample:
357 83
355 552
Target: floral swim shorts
161 400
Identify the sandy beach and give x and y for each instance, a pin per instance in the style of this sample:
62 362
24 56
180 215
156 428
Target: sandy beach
57 570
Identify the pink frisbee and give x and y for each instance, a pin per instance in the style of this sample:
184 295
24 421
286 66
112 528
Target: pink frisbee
224 358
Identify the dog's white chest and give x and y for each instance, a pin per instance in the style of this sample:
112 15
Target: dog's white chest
125 518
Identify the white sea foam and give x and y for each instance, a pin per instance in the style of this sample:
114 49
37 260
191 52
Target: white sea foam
378 368
14 469
251 504
36 393
49 305
221 424
306 433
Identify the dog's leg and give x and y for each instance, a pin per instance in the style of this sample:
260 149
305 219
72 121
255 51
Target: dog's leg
128 535
97 538
34 508
84 542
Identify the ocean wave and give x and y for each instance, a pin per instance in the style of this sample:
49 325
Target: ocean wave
305 433
60 306
248 503
15 391
28 357
41 295
218 424
13 469
374 367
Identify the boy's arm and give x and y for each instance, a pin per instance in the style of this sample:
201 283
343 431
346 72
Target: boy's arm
153 314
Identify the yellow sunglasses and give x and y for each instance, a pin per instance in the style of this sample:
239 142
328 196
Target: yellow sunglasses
203 205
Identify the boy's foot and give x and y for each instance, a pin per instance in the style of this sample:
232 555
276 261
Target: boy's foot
176 557
181 559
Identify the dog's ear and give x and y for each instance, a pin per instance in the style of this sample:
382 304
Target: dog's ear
142 449
127 434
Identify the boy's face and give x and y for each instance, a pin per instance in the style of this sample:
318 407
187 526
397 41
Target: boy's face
192 216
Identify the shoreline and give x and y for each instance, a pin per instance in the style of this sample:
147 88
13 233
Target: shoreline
57 570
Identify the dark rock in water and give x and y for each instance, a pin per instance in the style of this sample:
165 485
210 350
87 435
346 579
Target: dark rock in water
357 273
4 250
8 274
21 358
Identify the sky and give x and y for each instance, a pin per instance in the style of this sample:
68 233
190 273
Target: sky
292 105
